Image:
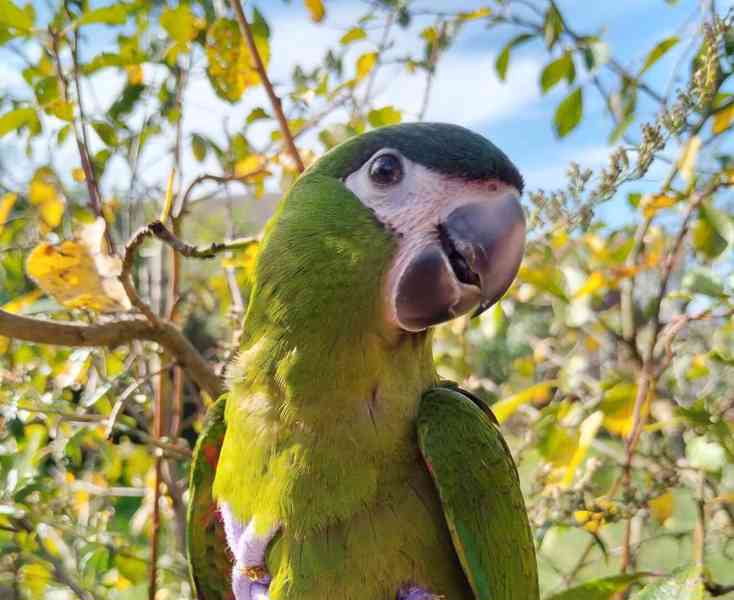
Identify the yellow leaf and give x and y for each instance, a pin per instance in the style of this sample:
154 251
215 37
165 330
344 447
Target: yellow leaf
594 282
365 64
723 119
661 508
353 35
477 13
249 165
43 193
168 201
618 406
134 74
180 23
34 578
588 430
78 175
316 10
688 157
231 67
7 201
80 273
698 368
652 204
21 302
535 393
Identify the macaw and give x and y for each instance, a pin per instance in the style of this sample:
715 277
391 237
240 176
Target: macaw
338 466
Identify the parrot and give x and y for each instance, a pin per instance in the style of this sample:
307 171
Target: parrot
339 465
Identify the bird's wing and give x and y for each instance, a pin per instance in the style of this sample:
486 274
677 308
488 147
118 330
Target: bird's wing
479 488
210 562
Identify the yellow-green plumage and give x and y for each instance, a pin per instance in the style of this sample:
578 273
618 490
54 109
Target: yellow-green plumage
321 416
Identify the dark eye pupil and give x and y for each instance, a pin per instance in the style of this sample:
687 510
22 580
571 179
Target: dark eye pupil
386 170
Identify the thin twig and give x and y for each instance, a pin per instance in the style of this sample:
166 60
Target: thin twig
262 72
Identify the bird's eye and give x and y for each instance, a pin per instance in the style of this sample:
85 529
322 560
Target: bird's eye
386 170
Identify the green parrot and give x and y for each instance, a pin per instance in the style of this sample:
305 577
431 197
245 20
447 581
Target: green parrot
339 466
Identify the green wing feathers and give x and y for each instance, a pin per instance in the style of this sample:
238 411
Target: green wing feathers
480 492
209 561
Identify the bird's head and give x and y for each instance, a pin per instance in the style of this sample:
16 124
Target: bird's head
449 200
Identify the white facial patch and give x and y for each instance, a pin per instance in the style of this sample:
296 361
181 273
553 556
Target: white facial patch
413 208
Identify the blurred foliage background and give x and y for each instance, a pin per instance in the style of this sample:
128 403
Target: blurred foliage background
610 362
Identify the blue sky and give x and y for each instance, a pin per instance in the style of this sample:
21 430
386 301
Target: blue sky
513 114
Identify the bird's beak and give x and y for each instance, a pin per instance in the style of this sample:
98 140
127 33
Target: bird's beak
472 264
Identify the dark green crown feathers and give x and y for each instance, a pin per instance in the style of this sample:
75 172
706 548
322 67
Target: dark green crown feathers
448 149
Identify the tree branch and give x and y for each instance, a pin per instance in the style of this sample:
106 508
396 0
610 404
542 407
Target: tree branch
111 335
274 100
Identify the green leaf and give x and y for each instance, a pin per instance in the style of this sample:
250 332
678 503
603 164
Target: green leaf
115 14
198 147
15 119
713 232
685 585
180 23
599 589
106 132
257 114
569 112
12 16
388 115
503 58
553 26
658 52
126 102
557 70
703 281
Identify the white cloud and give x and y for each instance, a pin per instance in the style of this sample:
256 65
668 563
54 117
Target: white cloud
554 176
466 90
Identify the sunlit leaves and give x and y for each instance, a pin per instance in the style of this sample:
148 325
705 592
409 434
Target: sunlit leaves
502 61
7 201
353 35
553 26
365 63
315 9
15 18
387 115
198 147
231 67
44 193
182 26
652 204
505 408
477 13
80 273
587 432
713 231
114 14
658 52
723 118
560 68
661 507
569 112
618 406
20 117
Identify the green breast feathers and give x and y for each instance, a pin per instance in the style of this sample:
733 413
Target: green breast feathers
338 466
